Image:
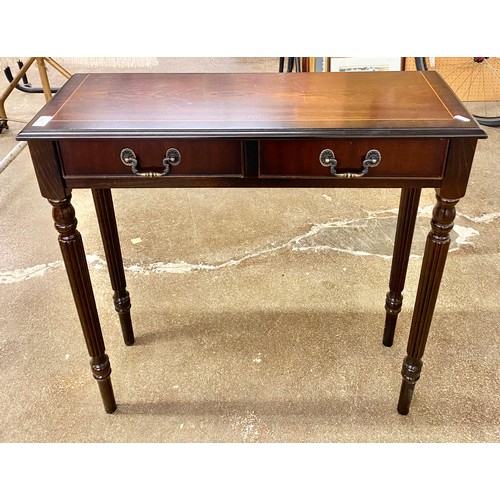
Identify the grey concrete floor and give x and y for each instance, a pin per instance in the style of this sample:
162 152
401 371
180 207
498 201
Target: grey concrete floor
258 313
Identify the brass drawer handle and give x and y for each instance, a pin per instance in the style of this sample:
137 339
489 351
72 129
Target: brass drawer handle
129 159
327 159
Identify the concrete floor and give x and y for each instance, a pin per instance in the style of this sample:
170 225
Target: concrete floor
258 313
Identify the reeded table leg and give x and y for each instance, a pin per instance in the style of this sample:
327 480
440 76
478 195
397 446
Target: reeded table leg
407 215
75 261
436 251
107 223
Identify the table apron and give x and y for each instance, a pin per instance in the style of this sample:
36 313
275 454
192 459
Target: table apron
101 182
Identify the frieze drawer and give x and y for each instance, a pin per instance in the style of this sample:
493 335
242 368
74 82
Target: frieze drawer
401 158
152 158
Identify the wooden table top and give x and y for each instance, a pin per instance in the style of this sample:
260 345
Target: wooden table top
394 104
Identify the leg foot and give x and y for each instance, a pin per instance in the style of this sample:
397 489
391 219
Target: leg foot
411 373
101 369
122 307
393 303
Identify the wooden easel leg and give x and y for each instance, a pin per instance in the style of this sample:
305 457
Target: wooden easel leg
40 61
58 67
9 89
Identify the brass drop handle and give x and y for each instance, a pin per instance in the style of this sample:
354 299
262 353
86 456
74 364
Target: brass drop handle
372 159
129 158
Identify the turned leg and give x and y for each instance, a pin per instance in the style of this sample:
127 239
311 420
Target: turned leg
107 223
436 251
407 215
75 261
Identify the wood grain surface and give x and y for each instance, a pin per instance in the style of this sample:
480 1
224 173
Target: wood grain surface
103 105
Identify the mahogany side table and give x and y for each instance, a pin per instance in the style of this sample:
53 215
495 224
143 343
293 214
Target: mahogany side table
376 130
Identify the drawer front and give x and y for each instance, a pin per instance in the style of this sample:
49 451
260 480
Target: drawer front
198 157
402 158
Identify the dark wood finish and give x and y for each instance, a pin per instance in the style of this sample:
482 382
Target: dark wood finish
128 181
48 169
436 251
105 211
377 104
407 216
458 166
400 158
453 187
210 157
255 130
75 261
